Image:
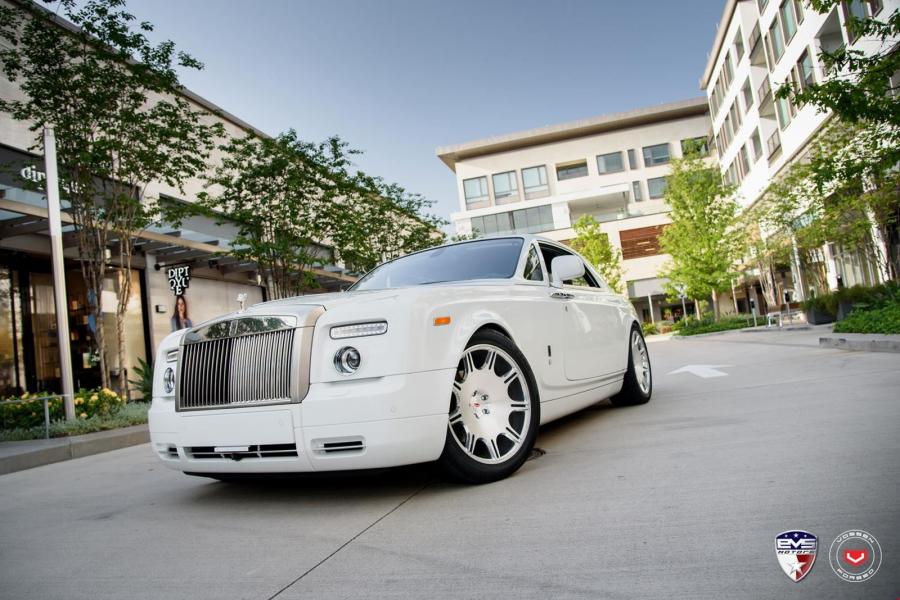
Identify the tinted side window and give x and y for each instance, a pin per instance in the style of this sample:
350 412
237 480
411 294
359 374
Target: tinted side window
533 270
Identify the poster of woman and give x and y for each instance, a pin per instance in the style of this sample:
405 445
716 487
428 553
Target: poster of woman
181 320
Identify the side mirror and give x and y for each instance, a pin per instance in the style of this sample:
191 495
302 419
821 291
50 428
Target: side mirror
564 268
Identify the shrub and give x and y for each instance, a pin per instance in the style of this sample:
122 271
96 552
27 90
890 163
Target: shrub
649 329
131 414
859 296
88 403
693 326
884 319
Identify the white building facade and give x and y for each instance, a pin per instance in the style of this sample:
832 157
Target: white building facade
759 46
611 167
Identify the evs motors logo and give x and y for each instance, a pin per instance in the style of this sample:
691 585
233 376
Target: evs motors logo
796 552
855 555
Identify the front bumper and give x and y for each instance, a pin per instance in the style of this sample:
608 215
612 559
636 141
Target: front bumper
359 424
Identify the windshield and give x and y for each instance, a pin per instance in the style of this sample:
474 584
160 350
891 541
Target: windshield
482 259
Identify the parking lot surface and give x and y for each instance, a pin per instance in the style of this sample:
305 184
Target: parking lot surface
756 433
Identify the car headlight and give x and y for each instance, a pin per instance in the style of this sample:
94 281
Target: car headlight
341 332
347 360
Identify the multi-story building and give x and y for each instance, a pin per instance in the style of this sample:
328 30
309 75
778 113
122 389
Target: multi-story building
612 167
759 46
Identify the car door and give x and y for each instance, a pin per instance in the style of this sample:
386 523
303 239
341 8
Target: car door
593 343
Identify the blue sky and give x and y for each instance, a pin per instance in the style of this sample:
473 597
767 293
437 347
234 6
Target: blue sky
397 78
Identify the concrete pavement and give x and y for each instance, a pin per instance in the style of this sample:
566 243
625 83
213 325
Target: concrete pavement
681 498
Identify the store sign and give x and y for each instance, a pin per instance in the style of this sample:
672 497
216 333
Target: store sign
179 279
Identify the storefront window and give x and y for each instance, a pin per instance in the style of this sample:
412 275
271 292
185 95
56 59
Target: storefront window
12 369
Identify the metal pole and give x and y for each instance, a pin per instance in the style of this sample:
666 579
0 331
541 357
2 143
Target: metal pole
734 297
650 301
59 274
683 308
46 418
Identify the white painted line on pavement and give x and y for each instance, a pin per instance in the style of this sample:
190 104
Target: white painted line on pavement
704 371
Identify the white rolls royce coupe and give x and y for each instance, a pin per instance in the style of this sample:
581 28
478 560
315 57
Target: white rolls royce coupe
455 354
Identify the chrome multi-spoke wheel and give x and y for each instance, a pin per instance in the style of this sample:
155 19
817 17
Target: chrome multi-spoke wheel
489 405
640 361
494 411
638 383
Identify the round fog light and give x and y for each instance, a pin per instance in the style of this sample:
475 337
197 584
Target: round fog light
347 360
169 380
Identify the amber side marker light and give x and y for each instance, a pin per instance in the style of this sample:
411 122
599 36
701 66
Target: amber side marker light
438 321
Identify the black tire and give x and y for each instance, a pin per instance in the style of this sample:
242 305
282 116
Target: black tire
632 393
454 461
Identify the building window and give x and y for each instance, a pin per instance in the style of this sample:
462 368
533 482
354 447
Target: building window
696 144
859 10
527 220
777 39
656 187
805 73
757 145
506 188
476 190
783 108
571 170
736 116
788 20
535 181
713 104
656 155
727 73
640 242
636 194
762 4
747 93
632 159
744 161
610 163
798 10
738 46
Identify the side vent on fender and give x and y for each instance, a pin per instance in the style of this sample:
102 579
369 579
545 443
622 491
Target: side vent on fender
343 445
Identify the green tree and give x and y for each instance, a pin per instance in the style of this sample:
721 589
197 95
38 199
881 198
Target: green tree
280 193
297 204
594 245
379 221
114 101
703 239
858 85
843 191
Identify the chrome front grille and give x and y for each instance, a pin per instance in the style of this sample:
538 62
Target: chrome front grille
236 371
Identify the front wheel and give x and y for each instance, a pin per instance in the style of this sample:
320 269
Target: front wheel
494 411
638 384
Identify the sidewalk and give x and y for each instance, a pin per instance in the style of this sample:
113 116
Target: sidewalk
18 456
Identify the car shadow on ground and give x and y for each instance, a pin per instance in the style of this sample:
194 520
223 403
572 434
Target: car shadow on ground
364 485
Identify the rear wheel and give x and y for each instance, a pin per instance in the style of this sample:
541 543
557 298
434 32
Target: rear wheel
638 384
494 411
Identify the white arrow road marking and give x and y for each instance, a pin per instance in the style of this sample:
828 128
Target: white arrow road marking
704 371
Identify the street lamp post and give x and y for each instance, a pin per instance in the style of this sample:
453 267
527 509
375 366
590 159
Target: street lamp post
59 273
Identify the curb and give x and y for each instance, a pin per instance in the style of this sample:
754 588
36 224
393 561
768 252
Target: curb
860 345
18 456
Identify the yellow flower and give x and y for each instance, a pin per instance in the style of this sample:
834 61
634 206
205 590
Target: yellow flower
83 415
94 397
79 401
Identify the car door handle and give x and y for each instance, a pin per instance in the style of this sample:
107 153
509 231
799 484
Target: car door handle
562 295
